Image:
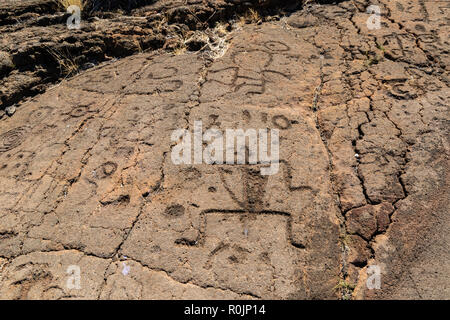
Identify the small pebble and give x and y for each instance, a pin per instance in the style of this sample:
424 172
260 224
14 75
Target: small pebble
126 269
10 110
87 65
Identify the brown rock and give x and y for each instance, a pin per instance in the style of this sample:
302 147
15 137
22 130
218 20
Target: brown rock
87 177
382 213
359 252
362 221
369 219
6 63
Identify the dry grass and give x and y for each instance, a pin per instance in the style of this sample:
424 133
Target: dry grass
67 3
138 44
221 29
251 16
67 65
219 44
345 288
160 24
180 50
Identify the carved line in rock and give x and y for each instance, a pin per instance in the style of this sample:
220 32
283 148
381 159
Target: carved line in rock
276 46
38 115
221 247
280 121
107 75
174 72
33 275
79 111
428 38
424 10
270 48
244 53
401 49
254 185
12 138
250 174
173 85
106 169
250 207
166 85
258 83
103 74
243 214
397 92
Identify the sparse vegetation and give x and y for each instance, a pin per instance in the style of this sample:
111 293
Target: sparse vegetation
345 240
67 65
221 29
251 16
345 288
373 58
180 50
67 3
95 5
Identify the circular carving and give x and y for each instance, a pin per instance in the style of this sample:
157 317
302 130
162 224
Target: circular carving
40 114
12 139
79 111
106 169
281 122
276 46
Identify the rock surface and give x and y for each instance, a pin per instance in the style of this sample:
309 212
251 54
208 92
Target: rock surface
34 36
87 180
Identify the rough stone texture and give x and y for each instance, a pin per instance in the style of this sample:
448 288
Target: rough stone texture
87 178
34 34
367 220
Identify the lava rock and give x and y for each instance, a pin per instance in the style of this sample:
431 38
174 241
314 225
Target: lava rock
6 63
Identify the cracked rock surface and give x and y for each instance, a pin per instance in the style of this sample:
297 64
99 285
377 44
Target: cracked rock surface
87 179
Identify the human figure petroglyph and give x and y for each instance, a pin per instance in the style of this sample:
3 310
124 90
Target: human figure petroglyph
252 69
250 203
